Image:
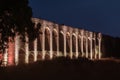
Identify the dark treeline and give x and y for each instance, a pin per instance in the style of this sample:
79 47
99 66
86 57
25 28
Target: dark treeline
110 46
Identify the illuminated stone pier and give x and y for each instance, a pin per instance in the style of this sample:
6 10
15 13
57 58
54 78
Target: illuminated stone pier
35 46
26 48
11 51
91 45
71 53
99 44
54 41
5 56
17 46
86 44
82 36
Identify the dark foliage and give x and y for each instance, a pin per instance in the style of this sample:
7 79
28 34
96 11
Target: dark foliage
15 16
110 46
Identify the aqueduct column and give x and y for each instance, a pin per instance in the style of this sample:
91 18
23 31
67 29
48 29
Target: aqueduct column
82 36
65 45
86 44
5 56
64 34
76 43
17 45
51 43
43 41
71 54
35 47
35 50
95 51
99 44
26 48
91 51
57 43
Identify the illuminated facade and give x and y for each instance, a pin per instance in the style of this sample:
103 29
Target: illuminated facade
54 40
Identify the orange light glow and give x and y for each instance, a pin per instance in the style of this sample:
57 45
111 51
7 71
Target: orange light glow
11 53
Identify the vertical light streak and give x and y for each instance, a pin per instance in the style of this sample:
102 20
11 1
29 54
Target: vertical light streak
99 43
17 45
82 36
86 44
76 46
58 45
5 57
65 45
51 46
43 45
91 55
26 48
35 50
11 48
71 54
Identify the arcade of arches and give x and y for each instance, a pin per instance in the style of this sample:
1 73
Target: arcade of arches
54 40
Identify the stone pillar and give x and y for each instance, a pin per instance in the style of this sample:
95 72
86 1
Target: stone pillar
76 46
82 35
76 43
65 45
57 44
5 56
43 45
26 48
35 44
95 50
35 50
71 54
99 45
91 51
86 44
17 44
51 45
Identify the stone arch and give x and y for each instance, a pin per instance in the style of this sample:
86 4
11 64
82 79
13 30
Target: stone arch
89 43
31 57
31 45
61 41
38 26
39 56
74 42
68 42
40 39
79 44
21 56
55 35
47 39
84 43
39 46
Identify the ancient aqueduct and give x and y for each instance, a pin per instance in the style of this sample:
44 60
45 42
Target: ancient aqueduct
54 40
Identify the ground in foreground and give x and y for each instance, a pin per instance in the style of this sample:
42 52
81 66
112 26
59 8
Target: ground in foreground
63 69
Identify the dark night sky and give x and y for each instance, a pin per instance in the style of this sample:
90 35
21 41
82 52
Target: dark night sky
94 15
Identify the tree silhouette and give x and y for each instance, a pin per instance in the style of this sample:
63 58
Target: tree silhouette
15 17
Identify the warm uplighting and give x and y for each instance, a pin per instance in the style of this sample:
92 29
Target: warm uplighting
35 50
17 46
11 53
80 43
26 49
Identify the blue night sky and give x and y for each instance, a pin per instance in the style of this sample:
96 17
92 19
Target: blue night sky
94 15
